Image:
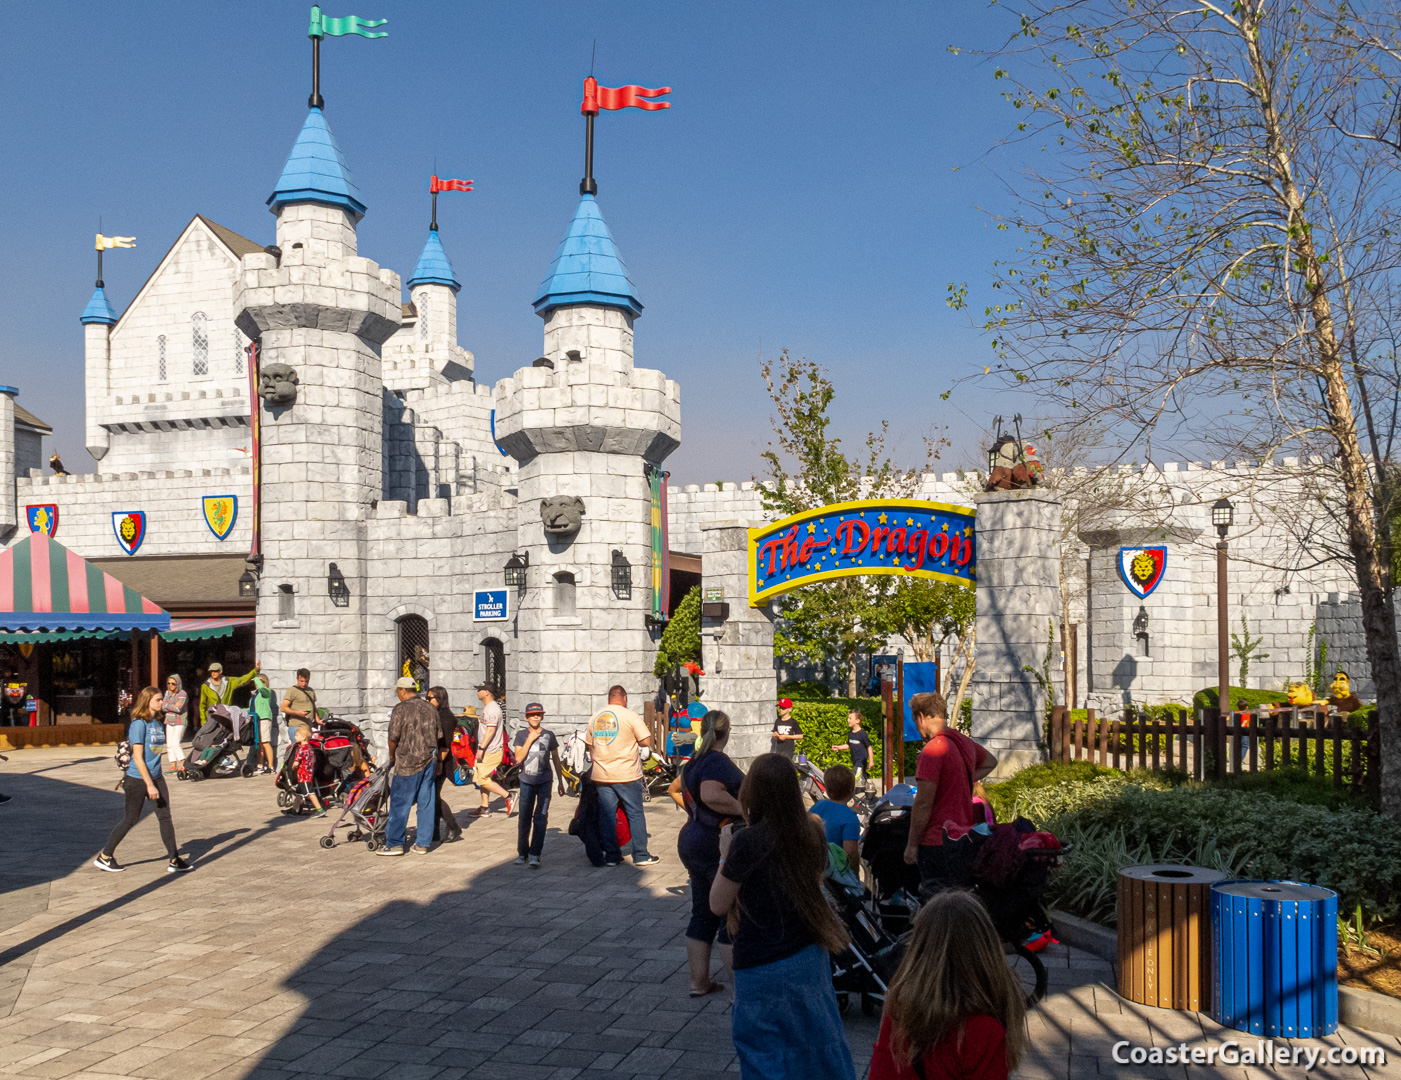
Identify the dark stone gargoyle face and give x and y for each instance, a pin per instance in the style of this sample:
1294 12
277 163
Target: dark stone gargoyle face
277 384
562 514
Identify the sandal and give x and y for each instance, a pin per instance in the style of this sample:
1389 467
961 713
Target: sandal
714 988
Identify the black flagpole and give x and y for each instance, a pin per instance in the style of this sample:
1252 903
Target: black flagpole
99 268
434 226
587 186
316 101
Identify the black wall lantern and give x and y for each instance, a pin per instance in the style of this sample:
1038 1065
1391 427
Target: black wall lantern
337 588
622 576
516 567
247 585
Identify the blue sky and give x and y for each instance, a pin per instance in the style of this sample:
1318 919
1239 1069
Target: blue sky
815 186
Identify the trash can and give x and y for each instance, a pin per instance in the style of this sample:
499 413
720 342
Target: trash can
1276 969
1165 935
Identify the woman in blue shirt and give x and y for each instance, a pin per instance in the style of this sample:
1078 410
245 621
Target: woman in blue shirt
142 781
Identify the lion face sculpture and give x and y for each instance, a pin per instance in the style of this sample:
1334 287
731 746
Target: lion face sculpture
277 384
562 514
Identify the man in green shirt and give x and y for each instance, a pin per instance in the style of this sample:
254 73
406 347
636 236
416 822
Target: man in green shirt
217 690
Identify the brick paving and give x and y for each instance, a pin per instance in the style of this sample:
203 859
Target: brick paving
278 959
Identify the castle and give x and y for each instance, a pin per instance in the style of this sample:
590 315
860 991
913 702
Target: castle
394 511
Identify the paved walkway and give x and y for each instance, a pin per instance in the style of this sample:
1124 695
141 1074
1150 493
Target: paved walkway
277 959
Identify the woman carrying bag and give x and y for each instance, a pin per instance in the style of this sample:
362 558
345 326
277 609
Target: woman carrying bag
785 1022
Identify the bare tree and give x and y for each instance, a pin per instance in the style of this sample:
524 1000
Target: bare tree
1212 242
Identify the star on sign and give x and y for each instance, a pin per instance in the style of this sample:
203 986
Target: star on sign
811 527
883 519
909 521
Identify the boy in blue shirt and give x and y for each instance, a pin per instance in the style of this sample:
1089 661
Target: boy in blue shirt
142 781
839 821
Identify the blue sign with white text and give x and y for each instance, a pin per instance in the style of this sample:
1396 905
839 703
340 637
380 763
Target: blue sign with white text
491 605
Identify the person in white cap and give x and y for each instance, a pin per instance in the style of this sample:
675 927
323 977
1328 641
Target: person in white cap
415 740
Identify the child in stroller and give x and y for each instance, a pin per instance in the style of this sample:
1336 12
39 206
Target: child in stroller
339 751
367 806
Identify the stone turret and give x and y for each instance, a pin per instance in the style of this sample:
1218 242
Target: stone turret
322 312
582 434
97 318
427 351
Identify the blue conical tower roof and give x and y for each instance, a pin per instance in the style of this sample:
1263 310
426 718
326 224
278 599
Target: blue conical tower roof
587 267
433 266
98 309
316 171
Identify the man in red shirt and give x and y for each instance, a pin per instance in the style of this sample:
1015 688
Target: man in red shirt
943 811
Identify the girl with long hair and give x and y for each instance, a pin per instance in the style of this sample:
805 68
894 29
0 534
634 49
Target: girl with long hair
143 781
707 789
954 1008
444 820
785 1023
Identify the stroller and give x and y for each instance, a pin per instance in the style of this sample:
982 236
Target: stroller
336 744
225 731
657 774
573 764
868 963
810 779
1010 879
367 806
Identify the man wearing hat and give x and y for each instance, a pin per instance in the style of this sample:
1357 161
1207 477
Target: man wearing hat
217 690
491 746
415 742
786 731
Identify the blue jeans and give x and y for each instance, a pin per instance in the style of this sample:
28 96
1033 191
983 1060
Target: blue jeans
534 811
406 791
785 1023
629 796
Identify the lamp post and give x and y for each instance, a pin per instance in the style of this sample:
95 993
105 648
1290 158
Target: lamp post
1222 515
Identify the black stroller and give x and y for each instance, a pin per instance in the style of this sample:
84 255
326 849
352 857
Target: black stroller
336 744
866 966
657 774
215 748
1011 883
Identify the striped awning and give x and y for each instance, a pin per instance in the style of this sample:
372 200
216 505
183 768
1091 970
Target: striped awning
198 629
47 593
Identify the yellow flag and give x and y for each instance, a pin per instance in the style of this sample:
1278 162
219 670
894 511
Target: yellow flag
105 243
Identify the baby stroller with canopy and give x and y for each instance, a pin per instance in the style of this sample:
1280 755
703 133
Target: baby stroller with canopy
215 748
367 806
340 748
1011 875
866 966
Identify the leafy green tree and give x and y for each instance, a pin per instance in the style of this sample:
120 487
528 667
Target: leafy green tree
925 613
681 640
807 468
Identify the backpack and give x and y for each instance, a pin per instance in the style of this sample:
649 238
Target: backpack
122 758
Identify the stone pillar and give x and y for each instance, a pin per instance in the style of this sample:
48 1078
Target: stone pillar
97 356
1018 597
8 509
737 652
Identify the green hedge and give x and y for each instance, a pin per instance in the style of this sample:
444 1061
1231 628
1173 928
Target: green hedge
824 723
804 691
1115 821
1209 696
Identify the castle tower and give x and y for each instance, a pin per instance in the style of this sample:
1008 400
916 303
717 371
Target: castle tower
426 351
433 289
97 318
587 428
323 312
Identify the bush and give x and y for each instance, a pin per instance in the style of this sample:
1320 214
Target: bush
1115 822
824 723
1027 791
1208 697
804 691
681 638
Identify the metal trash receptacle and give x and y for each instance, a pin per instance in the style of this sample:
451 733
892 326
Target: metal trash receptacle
1276 958
1165 935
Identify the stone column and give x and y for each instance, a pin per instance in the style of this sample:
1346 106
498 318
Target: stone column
9 511
737 652
1018 608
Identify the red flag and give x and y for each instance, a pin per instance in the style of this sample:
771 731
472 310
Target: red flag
435 185
620 97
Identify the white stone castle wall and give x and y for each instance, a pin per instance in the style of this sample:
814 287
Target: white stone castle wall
171 498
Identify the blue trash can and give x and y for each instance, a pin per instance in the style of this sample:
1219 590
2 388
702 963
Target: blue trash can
1276 958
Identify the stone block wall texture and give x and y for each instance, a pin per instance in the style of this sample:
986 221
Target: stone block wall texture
737 652
1018 608
8 468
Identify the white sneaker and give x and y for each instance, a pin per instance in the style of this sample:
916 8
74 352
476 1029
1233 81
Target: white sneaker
520 860
535 862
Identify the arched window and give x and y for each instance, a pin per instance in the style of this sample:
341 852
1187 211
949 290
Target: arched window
423 316
495 674
199 332
238 352
413 649
160 358
564 590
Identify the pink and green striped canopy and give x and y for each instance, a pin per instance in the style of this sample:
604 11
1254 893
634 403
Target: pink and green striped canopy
47 593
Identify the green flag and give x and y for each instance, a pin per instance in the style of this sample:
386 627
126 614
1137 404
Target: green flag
322 26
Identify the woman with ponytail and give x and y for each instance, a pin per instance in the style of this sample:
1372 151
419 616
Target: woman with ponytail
707 787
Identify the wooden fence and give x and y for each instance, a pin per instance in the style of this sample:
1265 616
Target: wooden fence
1205 748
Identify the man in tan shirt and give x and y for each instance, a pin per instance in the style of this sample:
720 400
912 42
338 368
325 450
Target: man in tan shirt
617 739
